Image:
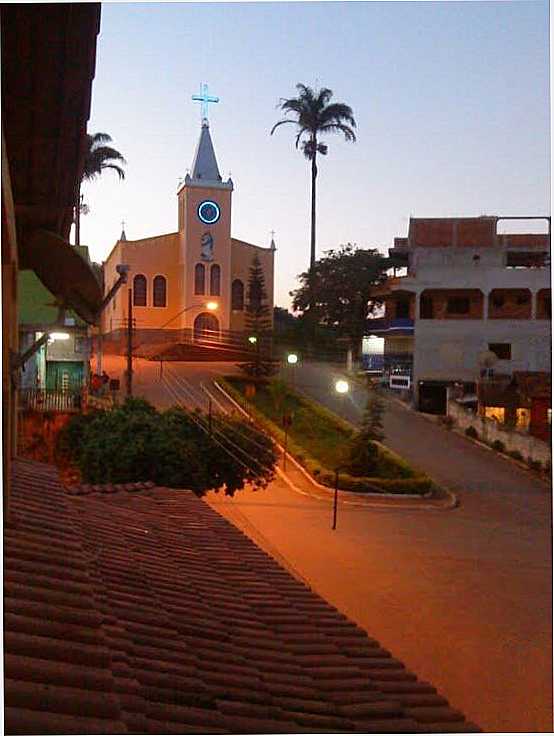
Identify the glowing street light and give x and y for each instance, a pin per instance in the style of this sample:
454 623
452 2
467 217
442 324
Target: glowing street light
292 359
212 306
253 339
341 386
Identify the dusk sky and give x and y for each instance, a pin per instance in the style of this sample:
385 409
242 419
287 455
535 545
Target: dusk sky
451 101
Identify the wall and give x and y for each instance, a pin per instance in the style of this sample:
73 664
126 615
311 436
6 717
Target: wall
159 255
489 431
449 349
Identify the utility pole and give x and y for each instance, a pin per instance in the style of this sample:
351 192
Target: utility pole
130 343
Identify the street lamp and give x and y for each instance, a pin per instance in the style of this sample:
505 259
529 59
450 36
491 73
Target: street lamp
292 360
212 306
342 386
252 339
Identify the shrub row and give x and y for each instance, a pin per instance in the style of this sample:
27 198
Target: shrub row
499 446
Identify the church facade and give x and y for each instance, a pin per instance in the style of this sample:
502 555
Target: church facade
195 279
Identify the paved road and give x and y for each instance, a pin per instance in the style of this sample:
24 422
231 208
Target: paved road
462 597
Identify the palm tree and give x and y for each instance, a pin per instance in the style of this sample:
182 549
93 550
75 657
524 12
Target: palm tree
315 116
98 157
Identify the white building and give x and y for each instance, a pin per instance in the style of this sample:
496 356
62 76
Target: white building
468 291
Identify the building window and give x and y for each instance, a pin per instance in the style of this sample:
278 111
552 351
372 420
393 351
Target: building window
497 302
502 350
237 295
523 299
139 291
426 307
215 280
199 279
159 292
497 413
457 305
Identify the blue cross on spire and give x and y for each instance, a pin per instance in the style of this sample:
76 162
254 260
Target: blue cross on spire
205 99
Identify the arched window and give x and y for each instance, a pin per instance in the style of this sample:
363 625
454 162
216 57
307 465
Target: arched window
199 278
139 291
215 280
159 292
237 295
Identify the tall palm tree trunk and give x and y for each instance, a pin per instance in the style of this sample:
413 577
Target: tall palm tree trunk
312 240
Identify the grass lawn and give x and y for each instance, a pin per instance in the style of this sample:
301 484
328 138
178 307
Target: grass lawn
320 439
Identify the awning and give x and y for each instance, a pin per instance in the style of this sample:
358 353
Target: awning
64 272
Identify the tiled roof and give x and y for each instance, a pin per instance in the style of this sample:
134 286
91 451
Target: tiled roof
142 610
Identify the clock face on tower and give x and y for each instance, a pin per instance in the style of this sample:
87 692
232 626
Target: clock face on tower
208 212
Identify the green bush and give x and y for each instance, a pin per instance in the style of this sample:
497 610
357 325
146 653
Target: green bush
534 464
499 446
134 442
516 455
471 432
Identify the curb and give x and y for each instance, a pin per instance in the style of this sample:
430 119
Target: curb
368 499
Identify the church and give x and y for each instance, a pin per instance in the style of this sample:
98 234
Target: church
193 280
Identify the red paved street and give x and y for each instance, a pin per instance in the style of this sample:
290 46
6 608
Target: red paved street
463 597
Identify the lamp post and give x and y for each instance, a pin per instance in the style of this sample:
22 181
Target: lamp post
342 387
335 500
292 360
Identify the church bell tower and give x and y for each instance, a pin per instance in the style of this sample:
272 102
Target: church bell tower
204 201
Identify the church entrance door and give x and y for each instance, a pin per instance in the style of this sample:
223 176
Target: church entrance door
206 327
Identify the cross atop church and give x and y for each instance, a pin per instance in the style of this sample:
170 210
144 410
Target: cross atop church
205 99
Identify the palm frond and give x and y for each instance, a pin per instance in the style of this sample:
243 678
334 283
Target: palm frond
281 122
339 128
116 168
105 152
338 112
99 138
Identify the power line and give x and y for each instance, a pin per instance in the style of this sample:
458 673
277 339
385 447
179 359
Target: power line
226 438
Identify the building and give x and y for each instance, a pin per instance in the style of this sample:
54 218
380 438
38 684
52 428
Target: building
468 292
62 364
173 277
522 401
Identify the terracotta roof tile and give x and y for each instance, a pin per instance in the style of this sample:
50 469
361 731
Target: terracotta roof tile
140 609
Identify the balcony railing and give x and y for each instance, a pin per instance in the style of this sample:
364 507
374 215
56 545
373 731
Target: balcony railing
400 325
40 399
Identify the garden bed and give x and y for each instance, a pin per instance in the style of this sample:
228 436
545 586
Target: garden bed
319 440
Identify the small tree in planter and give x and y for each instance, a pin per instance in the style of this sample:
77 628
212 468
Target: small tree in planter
258 324
364 452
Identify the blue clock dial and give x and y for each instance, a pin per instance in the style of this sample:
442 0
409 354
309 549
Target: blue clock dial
208 212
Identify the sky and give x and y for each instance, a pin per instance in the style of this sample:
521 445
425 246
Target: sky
451 101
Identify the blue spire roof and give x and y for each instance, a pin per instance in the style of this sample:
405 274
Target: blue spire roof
204 166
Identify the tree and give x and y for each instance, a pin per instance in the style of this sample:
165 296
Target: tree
98 157
342 296
314 115
364 453
258 322
175 448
